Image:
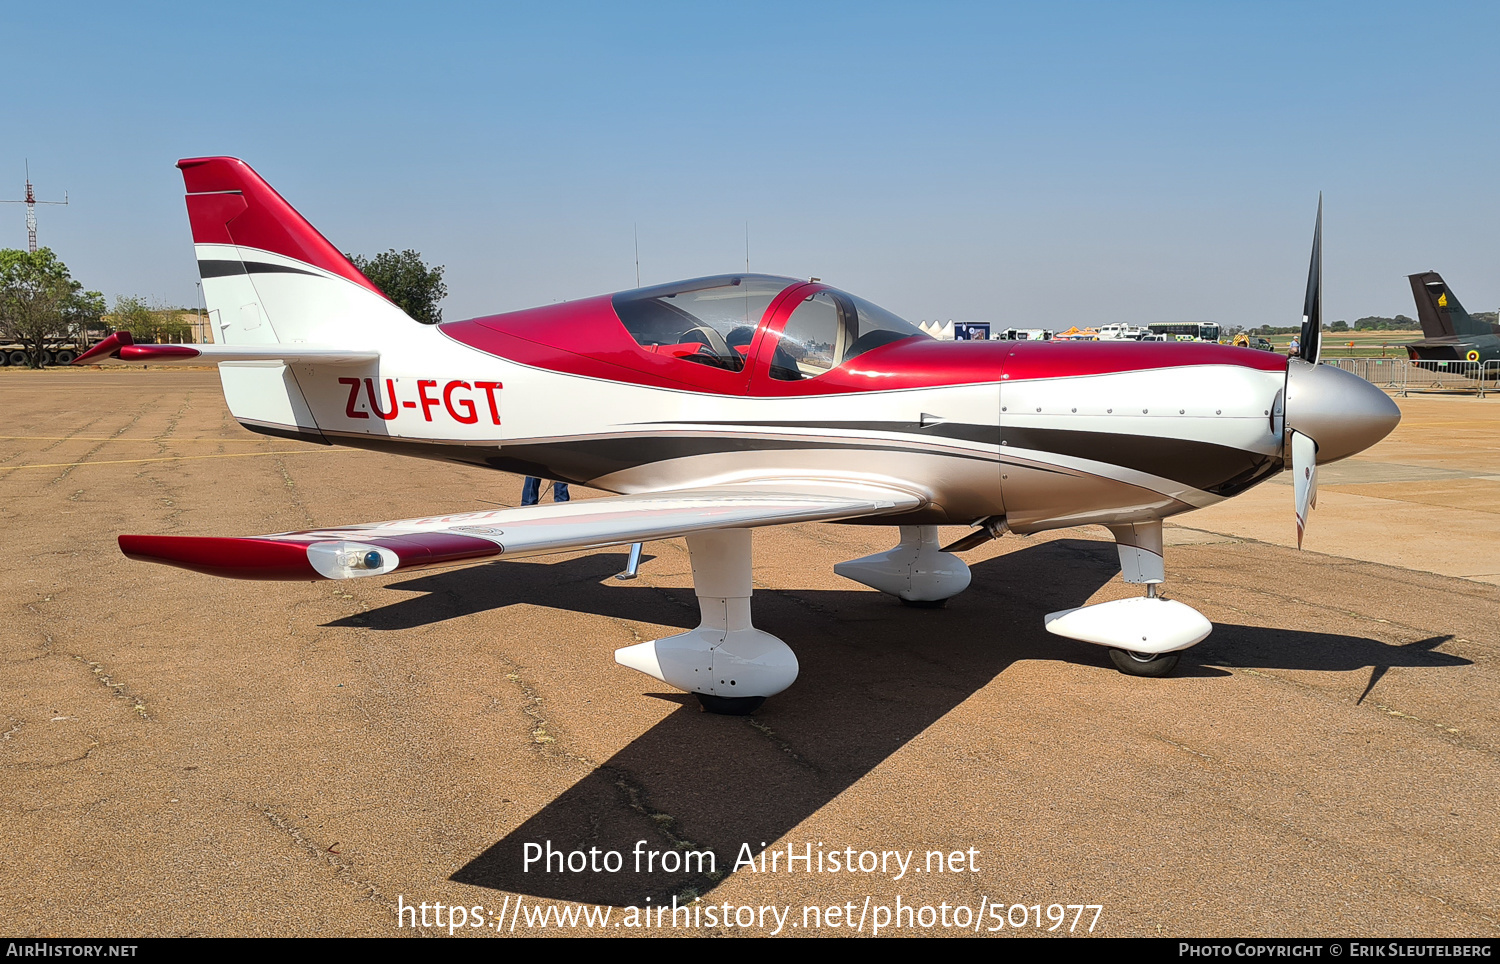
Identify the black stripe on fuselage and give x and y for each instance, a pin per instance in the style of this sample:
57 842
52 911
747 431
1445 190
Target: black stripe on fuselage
225 268
580 461
1225 470
960 431
1220 469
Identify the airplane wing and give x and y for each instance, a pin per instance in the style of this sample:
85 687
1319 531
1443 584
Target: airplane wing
122 347
378 548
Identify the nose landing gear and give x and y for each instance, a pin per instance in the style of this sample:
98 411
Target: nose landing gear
1145 635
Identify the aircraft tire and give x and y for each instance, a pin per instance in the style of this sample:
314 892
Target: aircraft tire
1144 664
730 705
924 603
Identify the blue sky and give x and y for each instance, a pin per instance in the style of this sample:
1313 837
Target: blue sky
1055 163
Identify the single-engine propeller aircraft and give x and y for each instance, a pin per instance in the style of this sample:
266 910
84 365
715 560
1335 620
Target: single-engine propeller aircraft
718 405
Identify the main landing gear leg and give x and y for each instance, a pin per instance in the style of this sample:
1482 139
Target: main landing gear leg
917 572
729 664
632 563
1145 635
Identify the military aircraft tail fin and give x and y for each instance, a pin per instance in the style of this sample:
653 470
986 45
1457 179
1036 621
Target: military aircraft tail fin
1439 312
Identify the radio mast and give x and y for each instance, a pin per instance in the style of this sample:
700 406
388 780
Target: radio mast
31 202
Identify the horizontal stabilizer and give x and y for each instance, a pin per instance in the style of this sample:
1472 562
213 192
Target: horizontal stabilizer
121 347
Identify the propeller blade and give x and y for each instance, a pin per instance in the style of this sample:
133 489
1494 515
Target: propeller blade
1304 479
1312 305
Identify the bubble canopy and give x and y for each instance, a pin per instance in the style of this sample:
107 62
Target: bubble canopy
713 321
831 327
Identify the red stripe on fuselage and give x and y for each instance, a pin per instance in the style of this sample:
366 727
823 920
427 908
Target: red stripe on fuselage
586 338
1068 359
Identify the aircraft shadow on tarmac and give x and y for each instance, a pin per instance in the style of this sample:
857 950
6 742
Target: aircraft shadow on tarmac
874 675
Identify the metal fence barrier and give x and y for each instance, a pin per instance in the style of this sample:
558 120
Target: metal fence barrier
1489 378
1388 373
1404 376
1443 376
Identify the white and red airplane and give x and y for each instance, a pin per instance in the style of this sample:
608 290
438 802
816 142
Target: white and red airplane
718 405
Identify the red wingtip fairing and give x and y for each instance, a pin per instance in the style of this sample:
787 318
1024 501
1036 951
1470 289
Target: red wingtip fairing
144 353
108 348
234 558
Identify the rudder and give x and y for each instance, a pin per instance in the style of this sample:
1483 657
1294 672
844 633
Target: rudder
268 275
1439 312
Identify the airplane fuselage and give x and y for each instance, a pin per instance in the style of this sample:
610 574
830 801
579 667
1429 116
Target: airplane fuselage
1478 349
1046 435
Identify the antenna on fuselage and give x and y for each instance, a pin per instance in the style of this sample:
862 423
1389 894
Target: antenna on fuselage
747 247
636 229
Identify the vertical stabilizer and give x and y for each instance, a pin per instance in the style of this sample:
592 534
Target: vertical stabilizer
269 277
1439 312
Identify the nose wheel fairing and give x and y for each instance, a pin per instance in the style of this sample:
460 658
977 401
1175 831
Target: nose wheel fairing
1145 625
1142 631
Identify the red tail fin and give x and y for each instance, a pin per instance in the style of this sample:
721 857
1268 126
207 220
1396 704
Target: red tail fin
228 203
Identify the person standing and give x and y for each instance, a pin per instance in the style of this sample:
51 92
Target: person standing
531 491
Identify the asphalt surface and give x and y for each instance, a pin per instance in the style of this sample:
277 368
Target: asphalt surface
187 755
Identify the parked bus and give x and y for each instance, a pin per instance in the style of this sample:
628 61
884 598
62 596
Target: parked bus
1186 330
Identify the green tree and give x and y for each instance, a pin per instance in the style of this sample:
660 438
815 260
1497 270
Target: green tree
84 313
133 315
149 323
406 280
1378 323
37 296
